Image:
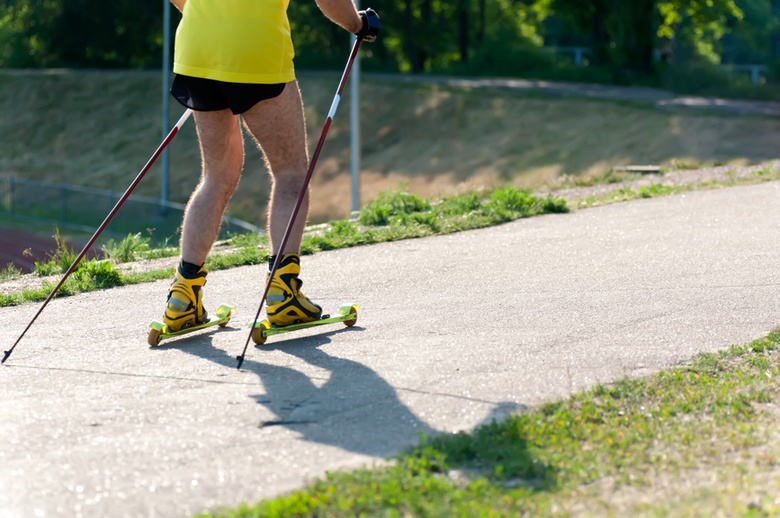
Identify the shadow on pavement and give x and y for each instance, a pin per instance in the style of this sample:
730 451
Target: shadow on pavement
343 404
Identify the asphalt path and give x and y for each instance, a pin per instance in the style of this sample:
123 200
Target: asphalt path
454 331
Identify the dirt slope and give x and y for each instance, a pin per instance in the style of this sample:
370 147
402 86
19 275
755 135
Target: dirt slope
98 128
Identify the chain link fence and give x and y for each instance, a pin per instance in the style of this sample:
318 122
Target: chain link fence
84 209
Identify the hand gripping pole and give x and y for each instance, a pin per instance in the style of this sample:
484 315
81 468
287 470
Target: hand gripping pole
331 113
103 225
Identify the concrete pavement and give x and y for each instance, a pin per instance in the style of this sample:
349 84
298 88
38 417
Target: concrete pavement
454 331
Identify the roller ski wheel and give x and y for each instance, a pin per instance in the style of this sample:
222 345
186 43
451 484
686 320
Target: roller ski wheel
258 335
160 331
347 315
353 310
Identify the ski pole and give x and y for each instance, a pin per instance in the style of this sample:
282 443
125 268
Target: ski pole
331 113
103 225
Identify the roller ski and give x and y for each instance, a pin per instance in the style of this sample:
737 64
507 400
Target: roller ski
184 312
262 330
160 331
288 309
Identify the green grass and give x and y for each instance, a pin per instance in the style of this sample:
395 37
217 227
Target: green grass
10 273
575 454
59 260
397 215
128 249
394 216
766 174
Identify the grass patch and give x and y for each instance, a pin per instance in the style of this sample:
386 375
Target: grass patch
573 455
128 249
59 261
10 273
397 215
394 216
766 174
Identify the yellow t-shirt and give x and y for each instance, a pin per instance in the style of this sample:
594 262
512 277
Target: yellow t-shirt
240 41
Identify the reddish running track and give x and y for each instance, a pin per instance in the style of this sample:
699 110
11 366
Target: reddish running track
24 249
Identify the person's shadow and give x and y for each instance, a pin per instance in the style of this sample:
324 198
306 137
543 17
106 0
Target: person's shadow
349 406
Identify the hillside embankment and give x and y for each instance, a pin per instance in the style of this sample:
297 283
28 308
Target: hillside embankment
98 128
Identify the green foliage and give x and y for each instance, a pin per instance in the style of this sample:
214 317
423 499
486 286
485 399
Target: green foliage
491 37
10 272
392 204
699 26
59 260
40 33
128 249
397 215
247 239
93 275
240 257
625 36
750 39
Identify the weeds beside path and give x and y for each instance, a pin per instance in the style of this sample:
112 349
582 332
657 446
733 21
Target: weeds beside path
671 182
400 215
394 216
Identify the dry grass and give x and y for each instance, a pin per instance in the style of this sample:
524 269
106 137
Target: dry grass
98 129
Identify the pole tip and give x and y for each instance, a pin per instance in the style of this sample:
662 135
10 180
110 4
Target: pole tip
240 361
6 355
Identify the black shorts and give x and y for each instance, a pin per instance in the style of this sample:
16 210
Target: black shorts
206 95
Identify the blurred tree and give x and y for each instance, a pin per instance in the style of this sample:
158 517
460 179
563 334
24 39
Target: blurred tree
23 31
751 39
487 36
626 35
83 33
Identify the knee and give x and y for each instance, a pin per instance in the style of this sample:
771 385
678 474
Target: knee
223 177
222 185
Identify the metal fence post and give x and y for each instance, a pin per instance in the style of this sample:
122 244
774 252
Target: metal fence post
64 204
11 195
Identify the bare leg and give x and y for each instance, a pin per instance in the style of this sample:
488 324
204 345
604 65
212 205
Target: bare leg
279 129
222 155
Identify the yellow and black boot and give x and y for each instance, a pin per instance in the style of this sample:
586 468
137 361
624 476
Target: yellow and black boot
286 304
185 298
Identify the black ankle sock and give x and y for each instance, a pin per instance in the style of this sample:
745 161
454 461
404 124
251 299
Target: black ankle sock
189 270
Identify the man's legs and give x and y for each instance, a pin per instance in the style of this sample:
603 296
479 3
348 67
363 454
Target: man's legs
279 128
222 155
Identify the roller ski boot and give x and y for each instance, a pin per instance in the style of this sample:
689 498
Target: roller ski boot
184 312
288 309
